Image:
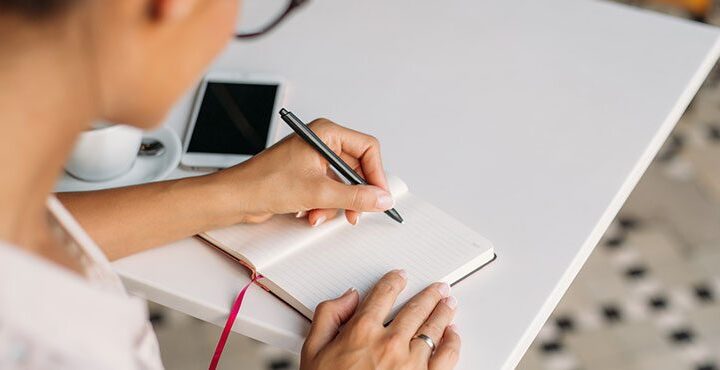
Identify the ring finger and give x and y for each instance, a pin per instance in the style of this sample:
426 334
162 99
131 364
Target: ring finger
419 308
434 327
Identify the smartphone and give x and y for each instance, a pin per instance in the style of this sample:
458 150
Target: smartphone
234 117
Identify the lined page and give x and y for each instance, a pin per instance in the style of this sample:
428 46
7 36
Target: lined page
431 246
262 244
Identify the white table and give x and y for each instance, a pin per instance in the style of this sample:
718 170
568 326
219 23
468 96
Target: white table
529 120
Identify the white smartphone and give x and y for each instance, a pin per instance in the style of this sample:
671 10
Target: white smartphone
234 117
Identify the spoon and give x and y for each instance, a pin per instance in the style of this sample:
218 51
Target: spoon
151 148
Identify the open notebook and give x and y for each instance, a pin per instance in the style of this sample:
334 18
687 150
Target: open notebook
304 266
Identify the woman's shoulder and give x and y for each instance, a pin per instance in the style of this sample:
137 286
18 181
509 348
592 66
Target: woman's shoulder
51 317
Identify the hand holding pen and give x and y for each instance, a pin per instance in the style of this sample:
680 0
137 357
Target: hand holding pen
333 159
292 177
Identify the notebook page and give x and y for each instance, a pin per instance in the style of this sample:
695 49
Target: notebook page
264 243
431 246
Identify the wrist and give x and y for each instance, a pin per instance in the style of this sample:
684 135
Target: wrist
223 198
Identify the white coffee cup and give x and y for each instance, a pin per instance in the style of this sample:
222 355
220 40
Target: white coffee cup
104 152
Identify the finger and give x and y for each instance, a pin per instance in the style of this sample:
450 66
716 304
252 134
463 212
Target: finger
378 303
317 217
366 198
353 217
434 326
328 318
363 147
366 150
448 352
352 162
417 310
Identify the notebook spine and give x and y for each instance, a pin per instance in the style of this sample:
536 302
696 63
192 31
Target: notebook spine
253 272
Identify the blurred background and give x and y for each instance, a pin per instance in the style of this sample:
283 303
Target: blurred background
647 298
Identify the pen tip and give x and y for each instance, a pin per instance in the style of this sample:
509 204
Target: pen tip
395 215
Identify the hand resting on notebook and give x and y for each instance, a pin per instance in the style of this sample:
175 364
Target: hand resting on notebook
291 177
348 334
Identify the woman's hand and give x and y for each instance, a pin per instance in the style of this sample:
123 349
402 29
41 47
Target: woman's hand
291 177
345 335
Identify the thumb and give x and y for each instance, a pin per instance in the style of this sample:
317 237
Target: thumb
363 198
329 316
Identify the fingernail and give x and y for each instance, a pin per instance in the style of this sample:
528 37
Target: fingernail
384 200
402 273
444 289
357 220
300 214
453 327
451 302
355 294
319 221
348 292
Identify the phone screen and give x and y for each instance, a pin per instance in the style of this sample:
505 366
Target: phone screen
234 118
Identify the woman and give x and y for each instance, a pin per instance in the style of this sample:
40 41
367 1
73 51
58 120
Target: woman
66 63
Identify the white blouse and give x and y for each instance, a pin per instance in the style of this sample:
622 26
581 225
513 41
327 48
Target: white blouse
51 318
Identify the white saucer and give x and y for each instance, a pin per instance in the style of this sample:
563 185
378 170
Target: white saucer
145 169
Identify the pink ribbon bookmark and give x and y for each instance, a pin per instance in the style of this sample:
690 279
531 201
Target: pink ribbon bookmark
229 323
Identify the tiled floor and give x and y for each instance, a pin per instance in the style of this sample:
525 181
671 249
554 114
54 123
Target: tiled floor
187 343
648 297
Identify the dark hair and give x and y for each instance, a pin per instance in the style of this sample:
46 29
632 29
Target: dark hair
34 8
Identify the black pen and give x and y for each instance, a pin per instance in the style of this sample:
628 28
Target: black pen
338 164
